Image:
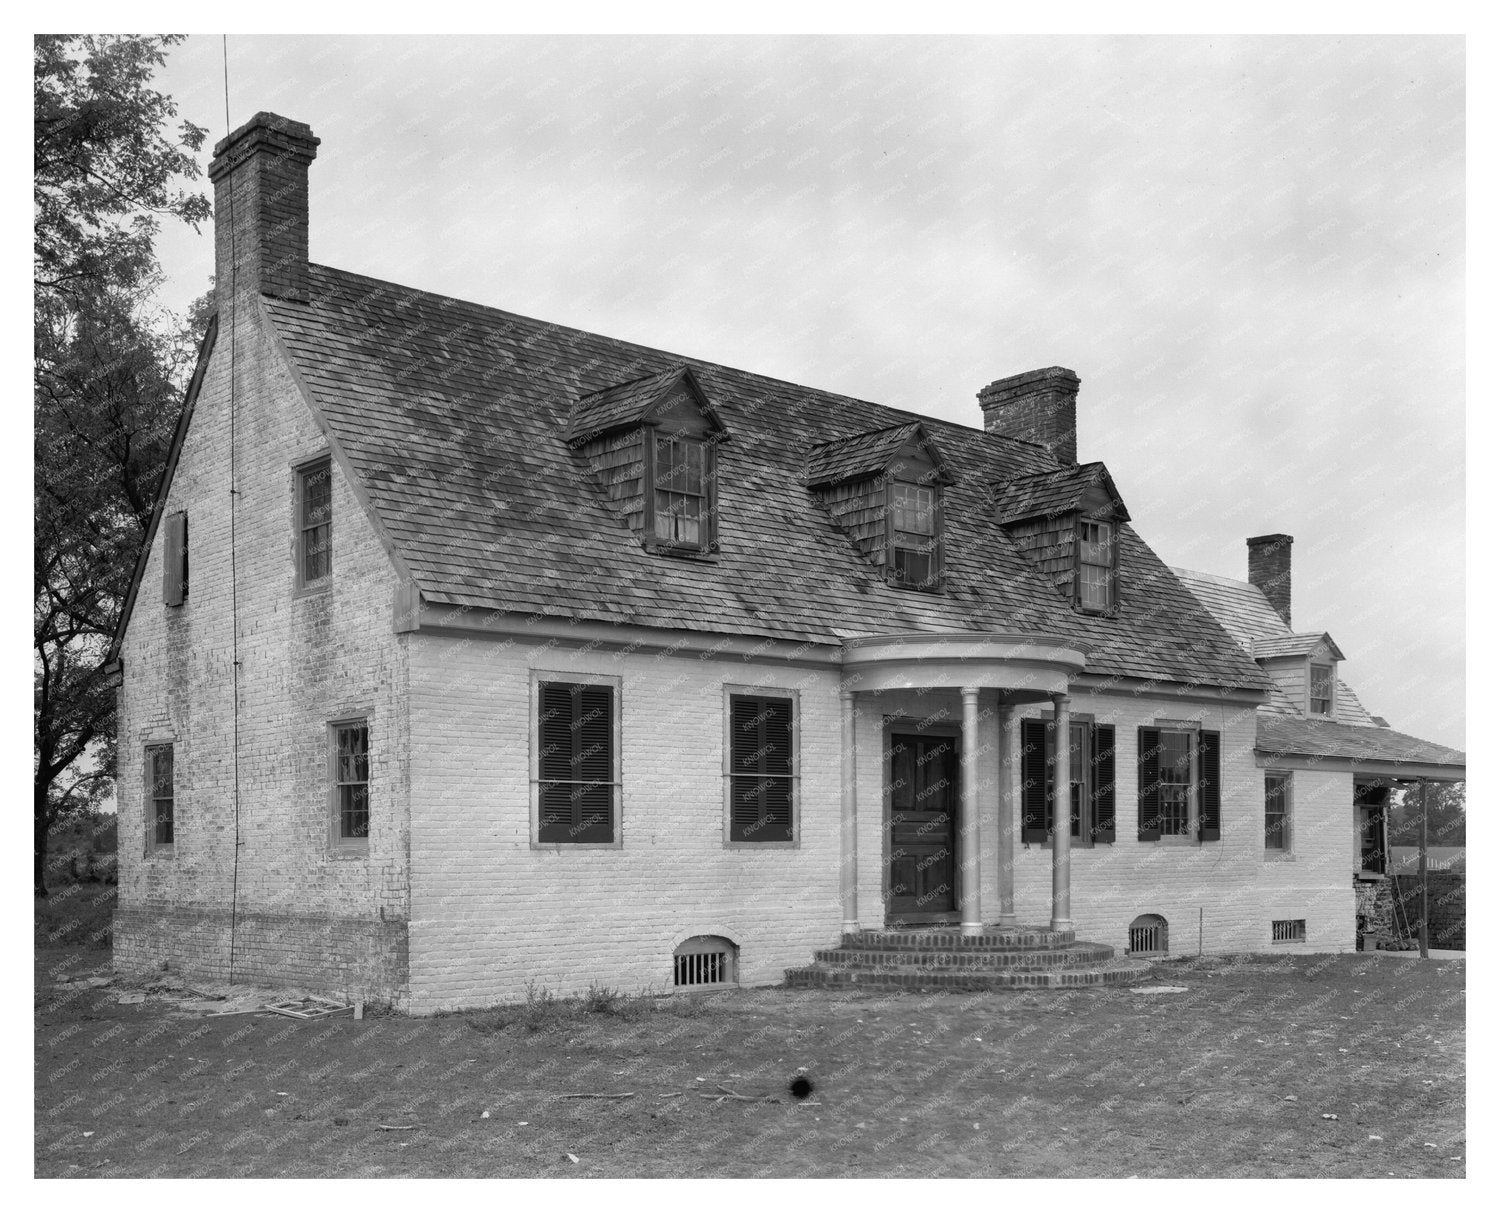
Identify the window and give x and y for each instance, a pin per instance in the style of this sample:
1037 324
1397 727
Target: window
1320 690
1278 811
351 782
1148 936
174 565
762 769
1289 930
915 547
703 960
314 524
1178 789
682 510
576 786
1091 782
160 798
1096 565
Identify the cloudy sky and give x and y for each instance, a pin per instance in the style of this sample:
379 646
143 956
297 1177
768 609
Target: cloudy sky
1250 250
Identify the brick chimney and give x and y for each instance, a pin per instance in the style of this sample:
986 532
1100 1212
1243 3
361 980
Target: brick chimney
260 208
1037 406
1271 571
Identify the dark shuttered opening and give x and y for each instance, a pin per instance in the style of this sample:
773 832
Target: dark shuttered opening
174 565
760 769
1104 782
1034 785
576 775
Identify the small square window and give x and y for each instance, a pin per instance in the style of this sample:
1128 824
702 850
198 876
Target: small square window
314 524
1289 930
351 782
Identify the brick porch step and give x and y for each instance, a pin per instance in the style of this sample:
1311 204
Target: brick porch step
948 939
1070 956
914 977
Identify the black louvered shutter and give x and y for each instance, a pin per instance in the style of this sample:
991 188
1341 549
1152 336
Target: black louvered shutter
1148 773
1104 783
760 769
1208 780
576 767
174 559
1034 791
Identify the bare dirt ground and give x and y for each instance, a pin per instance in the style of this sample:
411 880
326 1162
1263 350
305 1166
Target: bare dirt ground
1264 1066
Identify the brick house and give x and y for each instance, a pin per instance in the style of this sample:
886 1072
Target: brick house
491 652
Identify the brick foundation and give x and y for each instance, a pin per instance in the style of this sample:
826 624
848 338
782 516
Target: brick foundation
355 957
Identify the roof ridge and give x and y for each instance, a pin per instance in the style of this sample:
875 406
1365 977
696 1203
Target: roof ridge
687 360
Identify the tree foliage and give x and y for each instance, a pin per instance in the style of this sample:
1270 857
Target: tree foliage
108 368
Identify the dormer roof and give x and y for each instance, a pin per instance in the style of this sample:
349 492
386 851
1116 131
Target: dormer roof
872 453
637 402
1086 489
1297 644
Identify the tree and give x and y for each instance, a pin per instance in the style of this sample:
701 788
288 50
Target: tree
107 374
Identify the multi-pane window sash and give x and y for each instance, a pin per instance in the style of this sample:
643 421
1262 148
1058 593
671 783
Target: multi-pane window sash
315 523
681 492
1096 565
913 533
160 796
1321 696
576 765
1178 782
760 769
1091 780
1277 811
352 780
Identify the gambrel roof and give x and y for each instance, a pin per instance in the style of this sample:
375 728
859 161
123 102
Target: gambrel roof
456 418
1059 491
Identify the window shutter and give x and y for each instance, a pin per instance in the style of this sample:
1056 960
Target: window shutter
1148 770
576 763
174 559
1034 780
1104 783
760 768
1208 782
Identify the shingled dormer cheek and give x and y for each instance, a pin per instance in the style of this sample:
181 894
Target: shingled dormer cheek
884 489
651 445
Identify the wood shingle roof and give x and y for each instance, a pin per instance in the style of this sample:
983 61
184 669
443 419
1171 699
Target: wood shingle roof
456 417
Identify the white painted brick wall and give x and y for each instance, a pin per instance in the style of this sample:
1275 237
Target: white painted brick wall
305 660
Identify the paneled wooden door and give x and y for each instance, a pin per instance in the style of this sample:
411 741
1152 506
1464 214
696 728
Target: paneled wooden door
924 817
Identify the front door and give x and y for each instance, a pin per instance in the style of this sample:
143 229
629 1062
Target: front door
924 809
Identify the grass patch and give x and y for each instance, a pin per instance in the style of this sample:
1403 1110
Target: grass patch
76 916
1241 1074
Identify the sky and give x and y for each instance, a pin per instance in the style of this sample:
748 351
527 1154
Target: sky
1250 250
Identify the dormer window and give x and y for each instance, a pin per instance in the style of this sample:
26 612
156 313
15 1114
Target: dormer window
1320 690
915 546
1096 565
681 489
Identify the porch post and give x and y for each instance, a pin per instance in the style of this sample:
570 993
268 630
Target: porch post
849 834
972 922
1062 813
1007 816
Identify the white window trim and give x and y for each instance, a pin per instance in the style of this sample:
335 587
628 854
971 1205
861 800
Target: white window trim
153 849
1193 728
765 692
1284 854
1333 689
300 587
340 847
533 753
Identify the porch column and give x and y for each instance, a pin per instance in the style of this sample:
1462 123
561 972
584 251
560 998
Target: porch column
971 922
849 834
1062 813
1007 816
